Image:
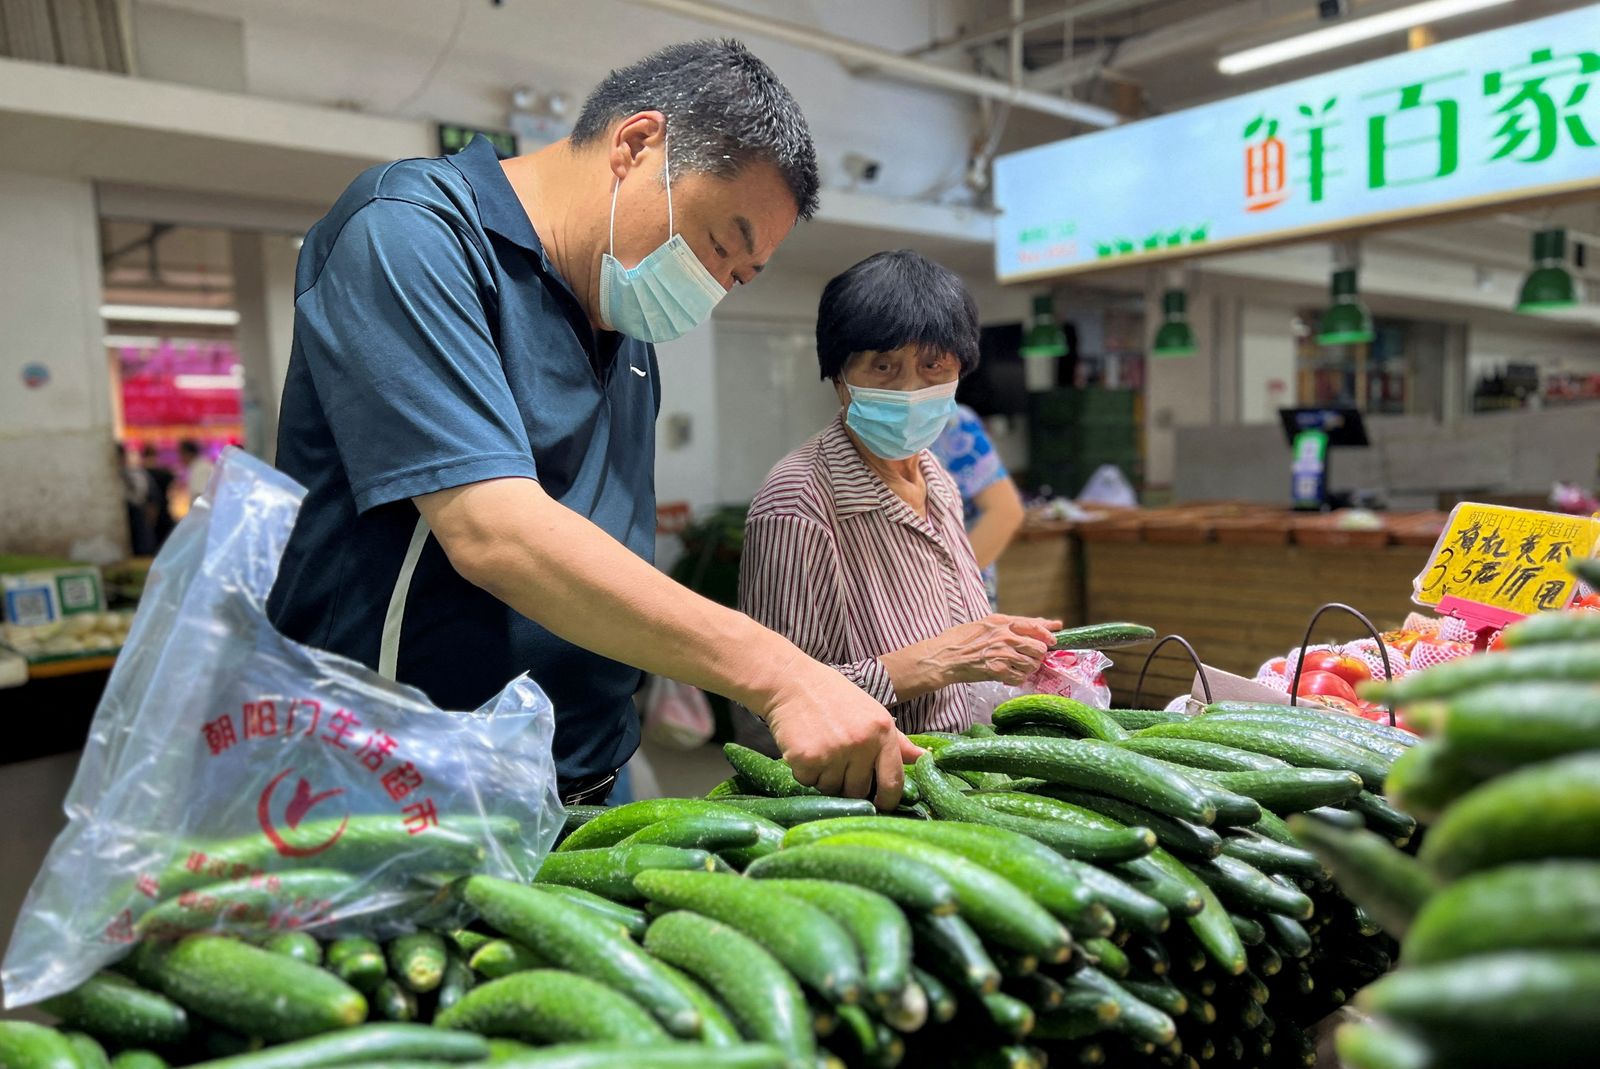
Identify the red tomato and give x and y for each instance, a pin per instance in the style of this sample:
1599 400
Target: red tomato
1588 601
1352 670
1326 683
1497 643
1401 640
1279 665
1337 703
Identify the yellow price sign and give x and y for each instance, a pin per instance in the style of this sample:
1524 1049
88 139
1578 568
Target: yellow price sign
1511 559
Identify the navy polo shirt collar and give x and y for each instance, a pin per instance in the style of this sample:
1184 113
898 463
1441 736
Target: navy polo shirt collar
498 206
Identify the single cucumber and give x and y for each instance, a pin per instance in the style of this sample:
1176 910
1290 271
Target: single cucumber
1271 826
1089 764
1010 1016
609 871
1103 636
1132 908
703 831
1038 991
1150 955
392 1002
1524 1008
1292 790
716 1027
501 957
880 930
949 803
1108 957
1547 627
256 991
1287 935
302 946
368 1042
1179 836
1045 875
942 1002
417 960
1252 933
1160 994
25 1045
1429 778
1210 924
115 1009
468 941
633 1056
1547 810
1246 887
138 1059
1347 819
458 980
759 992
1135 719
1073 717
358 961
1137 1018
1050 808
859 1039
1093 1013
1388 884
1577 662
251 904
999 910
1516 723
552 1006
767 775
1377 1045
950 949
911 884
724 788
1585 568
1176 891
1194 753
616 824
633 920
1542 905
1384 818
579 815
808 942
88 1051
802 809
575 939
1317 715
1306 750
1271 857
1339 725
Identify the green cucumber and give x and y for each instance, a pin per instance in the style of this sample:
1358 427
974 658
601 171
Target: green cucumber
1148 956
759 992
911 884
1542 905
609 871
1429 778
723 789
302 946
139 1059
1516 723
1103 636
1179 836
1108 957
468 941
767 775
392 1002
1052 710
999 910
1377 1045
880 930
501 957
1088 764
633 920
1390 885
1347 819
1246 887
1287 935
802 809
616 824
368 1042
552 1006
25 1045
1109 840
633 1056
457 981
808 942
1548 627
1384 818
700 831
942 1002
716 1027
1160 994
358 961
1210 924
1520 1007
949 803
1193 753
1305 750
1038 991
1585 568
1292 790
256 991
1577 662
1174 890
1044 874
88 1051
1341 726
1547 810
417 960
573 938
867 1042
1135 719
1272 857
1271 826
1132 908
1137 1018
249 904
1316 715
1010 1016
1252 933
115 1009
950 949
1093 1013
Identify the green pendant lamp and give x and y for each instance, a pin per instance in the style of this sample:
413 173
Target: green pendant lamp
1347 321
1174 337
1549 285
1045 337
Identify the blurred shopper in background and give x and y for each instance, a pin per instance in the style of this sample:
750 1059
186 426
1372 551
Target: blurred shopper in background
990 501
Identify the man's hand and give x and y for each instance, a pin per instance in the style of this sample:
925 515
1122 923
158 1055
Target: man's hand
835 737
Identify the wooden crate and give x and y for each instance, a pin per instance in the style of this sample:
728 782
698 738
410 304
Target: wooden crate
1039 575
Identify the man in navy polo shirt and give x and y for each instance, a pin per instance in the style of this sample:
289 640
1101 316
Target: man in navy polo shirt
471 402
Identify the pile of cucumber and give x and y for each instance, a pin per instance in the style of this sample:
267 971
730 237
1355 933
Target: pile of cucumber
1499 912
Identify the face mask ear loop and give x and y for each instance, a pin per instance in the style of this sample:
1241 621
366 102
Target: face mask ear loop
616 186
666 171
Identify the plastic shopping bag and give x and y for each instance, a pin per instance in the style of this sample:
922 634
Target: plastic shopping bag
1075 674
677 715
236 780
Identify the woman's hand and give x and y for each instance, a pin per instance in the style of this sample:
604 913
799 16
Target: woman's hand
1005 649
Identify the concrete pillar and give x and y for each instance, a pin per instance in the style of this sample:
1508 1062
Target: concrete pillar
263 274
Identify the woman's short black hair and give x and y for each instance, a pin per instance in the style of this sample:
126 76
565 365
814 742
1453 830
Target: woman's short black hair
891 300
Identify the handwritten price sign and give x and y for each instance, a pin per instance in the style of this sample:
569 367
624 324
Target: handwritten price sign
1512 559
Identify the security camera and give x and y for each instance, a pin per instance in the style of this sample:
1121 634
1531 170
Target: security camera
860 168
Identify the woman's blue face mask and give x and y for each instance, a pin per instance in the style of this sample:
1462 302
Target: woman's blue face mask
896 424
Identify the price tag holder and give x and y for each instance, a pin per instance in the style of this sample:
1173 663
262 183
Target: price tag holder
1494 565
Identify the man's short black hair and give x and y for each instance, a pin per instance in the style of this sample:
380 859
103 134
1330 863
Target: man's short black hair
891 300
725 110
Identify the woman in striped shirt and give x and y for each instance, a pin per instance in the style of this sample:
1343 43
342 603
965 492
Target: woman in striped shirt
855 547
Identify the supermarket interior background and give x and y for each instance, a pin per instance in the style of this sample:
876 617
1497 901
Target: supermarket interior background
1182 221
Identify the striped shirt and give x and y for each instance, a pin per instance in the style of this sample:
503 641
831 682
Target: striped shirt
842 566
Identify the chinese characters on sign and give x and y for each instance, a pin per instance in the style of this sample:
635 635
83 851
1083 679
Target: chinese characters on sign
1512 559
1498 116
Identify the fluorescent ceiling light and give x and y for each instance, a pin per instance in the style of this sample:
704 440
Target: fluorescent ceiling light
209 382
1348 33
150 313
